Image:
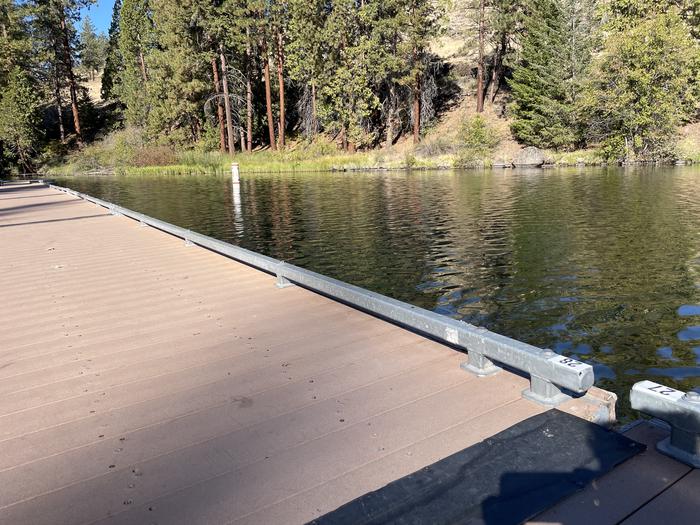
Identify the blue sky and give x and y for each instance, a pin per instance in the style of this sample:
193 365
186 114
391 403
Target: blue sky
101 14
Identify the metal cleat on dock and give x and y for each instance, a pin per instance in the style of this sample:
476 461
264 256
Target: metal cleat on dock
681 410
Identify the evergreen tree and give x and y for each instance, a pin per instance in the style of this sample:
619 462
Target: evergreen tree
504 24
19 118
546 82
305 56
643 86
348 99
15 42
15 59
178 78
227 28
93 48
423 24
114 62
136 42
56 40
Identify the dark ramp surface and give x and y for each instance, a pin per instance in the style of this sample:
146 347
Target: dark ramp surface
507 478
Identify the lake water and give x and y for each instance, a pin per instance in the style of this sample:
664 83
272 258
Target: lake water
601 264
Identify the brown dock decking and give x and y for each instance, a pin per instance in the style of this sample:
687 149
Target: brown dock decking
146 381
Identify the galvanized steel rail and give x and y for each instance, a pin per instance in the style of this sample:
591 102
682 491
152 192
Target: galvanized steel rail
549 372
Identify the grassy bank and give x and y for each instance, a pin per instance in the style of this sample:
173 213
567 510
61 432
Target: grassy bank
485 144
124 152
120 153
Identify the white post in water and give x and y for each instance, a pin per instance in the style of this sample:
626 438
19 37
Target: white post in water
235 176
236 193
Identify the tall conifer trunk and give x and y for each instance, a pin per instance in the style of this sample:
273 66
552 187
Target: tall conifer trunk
142 63
313 109
72 84
59 103
219 106
249 93
344 138
227 103
480 62
497 71
280 81
390 117
268 98
416 108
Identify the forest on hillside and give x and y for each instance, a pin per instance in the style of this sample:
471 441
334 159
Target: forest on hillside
620 76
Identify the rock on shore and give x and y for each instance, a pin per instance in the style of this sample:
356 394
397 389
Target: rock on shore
530 157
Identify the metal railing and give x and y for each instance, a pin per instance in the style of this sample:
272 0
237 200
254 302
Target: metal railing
549 372
681 410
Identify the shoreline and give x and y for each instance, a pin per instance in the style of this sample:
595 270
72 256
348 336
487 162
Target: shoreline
200 169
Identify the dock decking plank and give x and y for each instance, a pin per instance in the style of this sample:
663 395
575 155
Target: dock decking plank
680 503
624 490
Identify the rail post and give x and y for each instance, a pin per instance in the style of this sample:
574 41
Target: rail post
681 410
476 363
479 364
282 281
542 390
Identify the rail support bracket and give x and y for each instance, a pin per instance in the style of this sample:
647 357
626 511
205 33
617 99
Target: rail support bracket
479 365
188 241
544 392
682 445
681 410
282 281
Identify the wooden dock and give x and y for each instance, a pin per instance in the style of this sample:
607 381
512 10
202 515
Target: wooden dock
146 381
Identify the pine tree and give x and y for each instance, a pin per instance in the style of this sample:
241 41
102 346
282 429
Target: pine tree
19 117
424 23
179 75
389 65
305 56
16 58
348 99
55 39
92 54
546 82
136 42
15 42
504 21
480 73
643 86
114 63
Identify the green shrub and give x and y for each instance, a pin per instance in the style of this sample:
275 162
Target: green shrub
477 141
410 161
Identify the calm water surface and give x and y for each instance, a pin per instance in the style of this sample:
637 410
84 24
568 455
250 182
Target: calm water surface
601 264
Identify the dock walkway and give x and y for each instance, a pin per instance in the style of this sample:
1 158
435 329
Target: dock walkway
143 380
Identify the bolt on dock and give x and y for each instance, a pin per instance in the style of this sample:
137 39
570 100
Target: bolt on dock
150 375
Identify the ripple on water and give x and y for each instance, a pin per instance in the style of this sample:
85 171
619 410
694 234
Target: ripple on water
676 373
666 352
692 333
689 309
